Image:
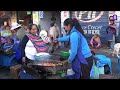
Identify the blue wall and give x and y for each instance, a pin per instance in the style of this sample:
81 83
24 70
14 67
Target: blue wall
100 25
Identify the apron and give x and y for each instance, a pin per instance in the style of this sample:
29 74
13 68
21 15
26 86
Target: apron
76 62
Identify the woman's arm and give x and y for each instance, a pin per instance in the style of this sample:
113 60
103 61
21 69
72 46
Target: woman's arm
74 38
63 39
23 45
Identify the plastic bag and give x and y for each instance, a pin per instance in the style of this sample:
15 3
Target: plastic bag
103 60
95 71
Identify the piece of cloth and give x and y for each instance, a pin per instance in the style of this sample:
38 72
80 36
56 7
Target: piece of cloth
38 43
29 49
76 69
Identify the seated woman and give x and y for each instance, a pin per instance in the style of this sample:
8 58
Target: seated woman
32 44
95 41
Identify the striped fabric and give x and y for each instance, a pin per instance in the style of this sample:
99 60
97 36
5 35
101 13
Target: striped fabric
38 43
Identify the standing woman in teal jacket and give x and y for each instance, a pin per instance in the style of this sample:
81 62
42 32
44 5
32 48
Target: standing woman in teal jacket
80 53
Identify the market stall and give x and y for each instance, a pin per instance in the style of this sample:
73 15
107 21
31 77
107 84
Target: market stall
50 66
7 56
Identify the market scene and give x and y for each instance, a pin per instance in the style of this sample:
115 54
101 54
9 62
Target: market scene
59 44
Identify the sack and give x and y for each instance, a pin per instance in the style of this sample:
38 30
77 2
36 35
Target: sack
103 60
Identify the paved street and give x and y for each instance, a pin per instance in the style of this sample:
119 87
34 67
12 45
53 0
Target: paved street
5 74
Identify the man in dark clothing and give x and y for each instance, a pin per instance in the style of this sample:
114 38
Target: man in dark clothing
111 33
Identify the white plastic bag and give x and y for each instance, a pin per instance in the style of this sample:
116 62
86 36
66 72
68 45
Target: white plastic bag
70 72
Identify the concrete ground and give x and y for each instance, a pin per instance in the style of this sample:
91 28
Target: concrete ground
5 72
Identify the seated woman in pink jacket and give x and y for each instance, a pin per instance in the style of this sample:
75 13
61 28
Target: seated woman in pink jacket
95 41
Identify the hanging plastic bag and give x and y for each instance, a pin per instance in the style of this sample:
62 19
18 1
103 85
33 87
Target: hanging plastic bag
95 71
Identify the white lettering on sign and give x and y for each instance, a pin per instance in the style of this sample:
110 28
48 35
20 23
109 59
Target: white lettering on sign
91 16
92 32
85 31
92 29
80 14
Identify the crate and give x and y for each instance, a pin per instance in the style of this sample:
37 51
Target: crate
14 71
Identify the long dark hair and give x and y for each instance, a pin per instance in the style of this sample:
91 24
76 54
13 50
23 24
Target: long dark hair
74 22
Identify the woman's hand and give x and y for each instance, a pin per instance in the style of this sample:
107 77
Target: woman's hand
23 59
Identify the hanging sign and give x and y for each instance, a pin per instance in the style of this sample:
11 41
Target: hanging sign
35 17
40 14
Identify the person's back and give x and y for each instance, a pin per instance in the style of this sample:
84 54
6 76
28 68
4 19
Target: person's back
20 33
53 32
97 39
84 45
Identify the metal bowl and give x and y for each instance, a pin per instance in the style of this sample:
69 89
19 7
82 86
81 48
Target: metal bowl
46 56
